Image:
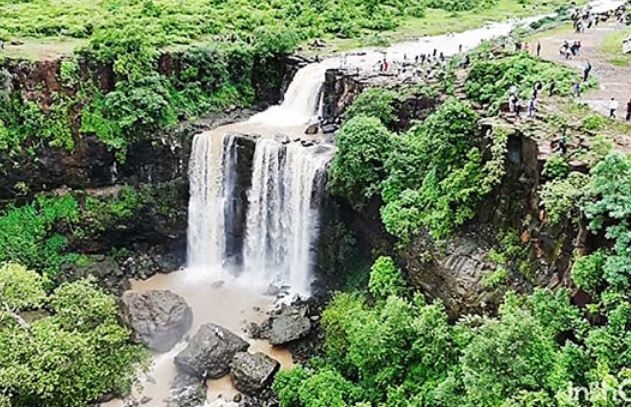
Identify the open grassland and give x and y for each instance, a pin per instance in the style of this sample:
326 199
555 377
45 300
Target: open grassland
45 28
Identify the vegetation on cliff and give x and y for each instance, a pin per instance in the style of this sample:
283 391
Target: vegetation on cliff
566 347
54 231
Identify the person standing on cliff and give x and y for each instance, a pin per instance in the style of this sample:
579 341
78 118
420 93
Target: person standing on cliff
629 110
613 106
532 107
587 71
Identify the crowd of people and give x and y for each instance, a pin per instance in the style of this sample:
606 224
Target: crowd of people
582 19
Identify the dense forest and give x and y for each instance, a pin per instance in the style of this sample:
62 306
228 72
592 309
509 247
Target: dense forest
138 69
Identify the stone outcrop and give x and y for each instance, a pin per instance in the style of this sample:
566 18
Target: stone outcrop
159 318
104 268
342 87
187 391
251 373
290 324
210 352
454 277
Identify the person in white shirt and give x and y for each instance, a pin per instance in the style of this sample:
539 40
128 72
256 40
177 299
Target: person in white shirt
613 106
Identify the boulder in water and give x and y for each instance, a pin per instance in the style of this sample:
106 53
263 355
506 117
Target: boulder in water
313 129
210 351
160 318
251 373
290 324
187 391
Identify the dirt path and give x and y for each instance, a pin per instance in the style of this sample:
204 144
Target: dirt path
614 81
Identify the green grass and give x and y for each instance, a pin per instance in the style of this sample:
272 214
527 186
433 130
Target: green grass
437 22
50 28
42 49
611 47
562 30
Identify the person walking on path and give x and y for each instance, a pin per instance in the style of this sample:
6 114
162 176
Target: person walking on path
587 71
613 106
629 110
532 107
577 89
538 49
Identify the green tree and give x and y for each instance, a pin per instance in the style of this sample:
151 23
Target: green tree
358 167
374 102
70 357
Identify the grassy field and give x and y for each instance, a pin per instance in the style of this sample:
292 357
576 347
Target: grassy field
437 22
612 48
48 28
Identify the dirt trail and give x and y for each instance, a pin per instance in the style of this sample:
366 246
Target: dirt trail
614 81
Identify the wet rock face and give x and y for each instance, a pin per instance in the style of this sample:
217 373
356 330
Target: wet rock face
240 162
454 277
160 318
187 391
251 373
210 352
105 268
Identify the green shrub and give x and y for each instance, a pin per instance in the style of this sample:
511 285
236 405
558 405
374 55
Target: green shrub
374 102
28 233
594 122
357 170
71 357
20 289
561 197
386 279
489 80
556 166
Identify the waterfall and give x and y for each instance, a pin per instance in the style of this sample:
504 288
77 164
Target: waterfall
301 100
205 235
282 221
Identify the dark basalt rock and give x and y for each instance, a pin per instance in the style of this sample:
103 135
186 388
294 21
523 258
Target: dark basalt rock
210 352
187 391
251 373
104 268
290 324
160 318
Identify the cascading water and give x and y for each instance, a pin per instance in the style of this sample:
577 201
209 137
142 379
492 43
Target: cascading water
283 219
205 236
301 100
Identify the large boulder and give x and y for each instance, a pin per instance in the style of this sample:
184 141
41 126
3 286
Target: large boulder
210 352
187 391
251 373
160 318
290 324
